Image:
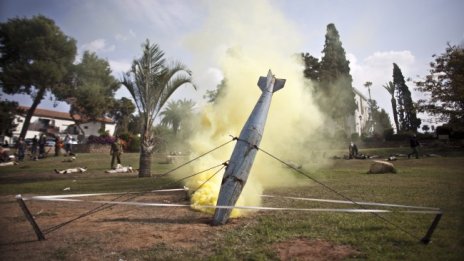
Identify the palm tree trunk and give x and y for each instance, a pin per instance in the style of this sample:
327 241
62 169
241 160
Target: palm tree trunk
145 163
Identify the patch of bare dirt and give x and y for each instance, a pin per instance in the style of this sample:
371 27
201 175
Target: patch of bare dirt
104 235
120 229
314 250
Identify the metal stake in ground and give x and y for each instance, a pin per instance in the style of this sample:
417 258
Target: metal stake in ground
30 218
426 239
244 153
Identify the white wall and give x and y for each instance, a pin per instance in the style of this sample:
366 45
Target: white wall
62 125
92 128
111 128
361 115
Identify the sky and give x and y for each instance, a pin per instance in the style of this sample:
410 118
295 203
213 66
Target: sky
374 34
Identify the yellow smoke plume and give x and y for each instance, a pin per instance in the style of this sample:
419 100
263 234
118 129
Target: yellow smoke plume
246 39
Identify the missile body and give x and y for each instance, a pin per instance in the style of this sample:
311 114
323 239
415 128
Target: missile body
244 153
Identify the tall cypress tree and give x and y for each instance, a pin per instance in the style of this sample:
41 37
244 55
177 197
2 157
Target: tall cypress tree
335 78
312 67
408 120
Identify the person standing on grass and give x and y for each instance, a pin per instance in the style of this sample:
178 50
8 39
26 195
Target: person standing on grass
34 144
67 144
42 142
115 152
353 150
414 145
21 149
57 145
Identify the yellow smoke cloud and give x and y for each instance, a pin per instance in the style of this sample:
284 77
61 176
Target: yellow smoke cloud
246 38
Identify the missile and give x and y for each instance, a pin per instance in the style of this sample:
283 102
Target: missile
243 155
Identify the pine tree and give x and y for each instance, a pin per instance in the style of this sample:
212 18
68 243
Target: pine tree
35 59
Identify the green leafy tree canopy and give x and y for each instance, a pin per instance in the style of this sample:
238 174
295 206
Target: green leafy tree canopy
214 95
122 111
35 57
445 87
8 112
91 88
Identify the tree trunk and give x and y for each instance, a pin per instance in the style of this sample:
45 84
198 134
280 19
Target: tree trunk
146 149
77 123
145 163
395 114
31 110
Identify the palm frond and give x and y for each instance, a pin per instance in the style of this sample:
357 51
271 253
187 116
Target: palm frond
390 87
151 83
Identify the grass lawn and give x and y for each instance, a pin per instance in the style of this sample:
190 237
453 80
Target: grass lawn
434 182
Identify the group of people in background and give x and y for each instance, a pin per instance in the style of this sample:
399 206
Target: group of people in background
37 147
413 143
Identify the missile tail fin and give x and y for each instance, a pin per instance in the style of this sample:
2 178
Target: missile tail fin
279 84
263 82
266 83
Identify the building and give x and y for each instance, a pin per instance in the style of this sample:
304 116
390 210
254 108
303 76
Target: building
360 121
55 123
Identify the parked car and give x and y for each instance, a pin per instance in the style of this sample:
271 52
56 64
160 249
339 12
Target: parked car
50 143
28 141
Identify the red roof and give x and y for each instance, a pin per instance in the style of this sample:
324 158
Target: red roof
60 115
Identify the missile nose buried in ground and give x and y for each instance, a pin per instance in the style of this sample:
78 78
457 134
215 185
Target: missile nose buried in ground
241 160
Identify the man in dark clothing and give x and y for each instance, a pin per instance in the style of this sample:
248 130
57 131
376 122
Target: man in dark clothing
116 151
34 144
414 144
21 149
57 145
68 144
353 149
42 142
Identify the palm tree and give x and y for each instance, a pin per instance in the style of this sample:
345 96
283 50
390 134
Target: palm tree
176 112
390 87
151 82
370 123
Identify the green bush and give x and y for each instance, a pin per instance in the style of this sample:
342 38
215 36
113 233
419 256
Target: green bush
399 137
134 145
388 133
132 142
426 136
443 130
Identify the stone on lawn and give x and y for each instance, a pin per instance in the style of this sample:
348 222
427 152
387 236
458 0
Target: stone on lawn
381 167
